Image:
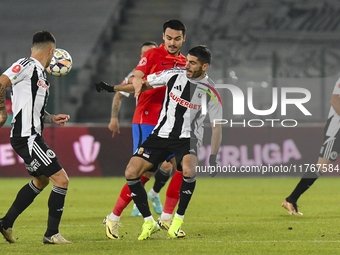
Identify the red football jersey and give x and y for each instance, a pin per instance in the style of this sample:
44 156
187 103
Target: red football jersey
150 101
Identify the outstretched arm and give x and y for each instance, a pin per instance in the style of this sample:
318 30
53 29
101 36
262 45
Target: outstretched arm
137 80
129 88
4 83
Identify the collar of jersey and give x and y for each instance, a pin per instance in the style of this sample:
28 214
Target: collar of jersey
198 82
38 63
167 53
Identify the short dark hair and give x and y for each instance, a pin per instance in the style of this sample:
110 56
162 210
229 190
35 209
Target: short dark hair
43 37
202 53
174 24
148 43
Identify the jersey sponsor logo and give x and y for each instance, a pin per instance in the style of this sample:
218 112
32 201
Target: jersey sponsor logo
43 85
16 68
184 102
164 64
143 61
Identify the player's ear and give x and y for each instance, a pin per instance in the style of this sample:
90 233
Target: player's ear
184 37
51 51
163 36
205 66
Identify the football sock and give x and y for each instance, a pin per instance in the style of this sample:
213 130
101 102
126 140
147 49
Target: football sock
114 217
56 203
180 216
139 196
24 198
186 191
172 193
125 197
149 218
166 216
306 181
161 177
153 193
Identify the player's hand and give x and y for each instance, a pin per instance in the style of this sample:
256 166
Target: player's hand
213 162
104 86
137 84
61 119
113 126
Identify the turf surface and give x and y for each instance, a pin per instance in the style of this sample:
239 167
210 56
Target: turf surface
225 216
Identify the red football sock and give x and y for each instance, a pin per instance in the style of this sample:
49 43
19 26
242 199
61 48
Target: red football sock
125 197
172 194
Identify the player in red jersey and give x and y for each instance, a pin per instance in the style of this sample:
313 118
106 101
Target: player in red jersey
149 104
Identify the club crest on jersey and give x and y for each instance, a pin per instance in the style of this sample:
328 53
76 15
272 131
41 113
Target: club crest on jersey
143 61
16 68
184 103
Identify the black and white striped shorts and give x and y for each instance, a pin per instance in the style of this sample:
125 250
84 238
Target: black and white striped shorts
38 157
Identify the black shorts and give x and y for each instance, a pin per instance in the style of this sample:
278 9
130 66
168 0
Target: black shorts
330 148
156 149
38 157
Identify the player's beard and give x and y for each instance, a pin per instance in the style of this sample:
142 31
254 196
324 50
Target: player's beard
196 74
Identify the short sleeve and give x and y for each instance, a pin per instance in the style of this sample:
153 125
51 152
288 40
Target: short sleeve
157 79
16 72
146 62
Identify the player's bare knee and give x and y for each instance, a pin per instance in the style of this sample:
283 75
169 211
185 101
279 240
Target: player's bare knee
41 183
64 182
131 172
135 168
186 171
167 166
60 179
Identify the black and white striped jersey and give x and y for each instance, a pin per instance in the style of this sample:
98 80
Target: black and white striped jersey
30 90
182 113
333 122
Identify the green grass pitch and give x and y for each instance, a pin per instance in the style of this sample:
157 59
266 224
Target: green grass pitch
225 216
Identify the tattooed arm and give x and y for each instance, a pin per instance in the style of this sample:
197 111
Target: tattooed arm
59 119
4 83
48 118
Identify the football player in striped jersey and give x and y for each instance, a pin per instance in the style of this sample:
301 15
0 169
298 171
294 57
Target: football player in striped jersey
30 90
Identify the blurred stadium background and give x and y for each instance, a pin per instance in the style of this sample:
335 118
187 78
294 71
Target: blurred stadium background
255 43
